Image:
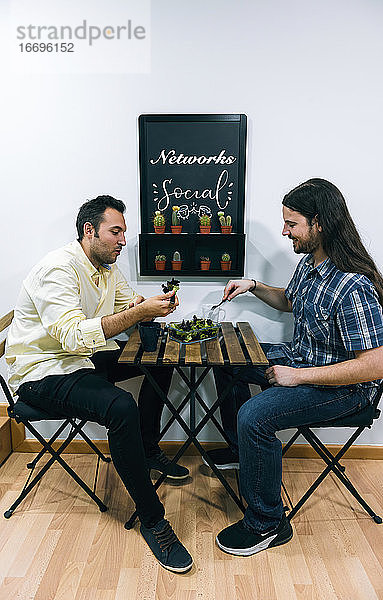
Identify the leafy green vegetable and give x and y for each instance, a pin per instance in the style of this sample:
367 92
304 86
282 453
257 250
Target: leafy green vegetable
173 284
194 330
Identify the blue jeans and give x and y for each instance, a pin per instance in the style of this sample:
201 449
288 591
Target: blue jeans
259 418
239 394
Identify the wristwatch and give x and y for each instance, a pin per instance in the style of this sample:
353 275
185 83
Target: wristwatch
254 286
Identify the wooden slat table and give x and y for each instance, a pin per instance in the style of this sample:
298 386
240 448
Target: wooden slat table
236 346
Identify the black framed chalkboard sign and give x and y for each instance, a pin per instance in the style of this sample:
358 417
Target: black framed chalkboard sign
192 194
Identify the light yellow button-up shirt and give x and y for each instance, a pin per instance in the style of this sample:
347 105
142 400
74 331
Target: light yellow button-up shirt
57 321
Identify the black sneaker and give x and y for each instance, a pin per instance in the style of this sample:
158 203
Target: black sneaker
161 463
166 547
238 539
223 458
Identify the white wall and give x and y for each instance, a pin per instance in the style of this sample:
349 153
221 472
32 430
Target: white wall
307 74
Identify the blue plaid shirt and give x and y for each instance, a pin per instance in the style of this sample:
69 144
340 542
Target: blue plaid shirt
335 314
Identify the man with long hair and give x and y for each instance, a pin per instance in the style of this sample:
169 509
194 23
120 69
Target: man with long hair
62 358
330 369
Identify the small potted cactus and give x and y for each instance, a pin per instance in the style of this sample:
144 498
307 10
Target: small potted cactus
225 262
176 226
204 224
225 222
159 222
205 263
176 262
160 261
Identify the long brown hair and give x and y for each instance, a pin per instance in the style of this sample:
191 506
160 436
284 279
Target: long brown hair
340 239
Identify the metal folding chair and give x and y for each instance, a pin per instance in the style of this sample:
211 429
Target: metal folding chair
358 421
23 413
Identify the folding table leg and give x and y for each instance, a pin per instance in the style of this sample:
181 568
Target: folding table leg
204 405
192 431
184 402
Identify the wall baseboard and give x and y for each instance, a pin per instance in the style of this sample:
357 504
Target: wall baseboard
5 438
170 448
21 444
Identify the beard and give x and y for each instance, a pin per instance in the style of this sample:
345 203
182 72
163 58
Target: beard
102 254
306 245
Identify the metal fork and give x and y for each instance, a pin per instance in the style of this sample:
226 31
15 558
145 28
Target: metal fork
217 305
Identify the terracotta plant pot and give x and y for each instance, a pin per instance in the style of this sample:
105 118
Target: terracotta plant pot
204 228
225 265
226 228
176 228
205 265
176 265
160 265
159 229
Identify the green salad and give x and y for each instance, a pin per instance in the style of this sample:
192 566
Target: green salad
193 330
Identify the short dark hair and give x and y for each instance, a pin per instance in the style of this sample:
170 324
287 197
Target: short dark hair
93 210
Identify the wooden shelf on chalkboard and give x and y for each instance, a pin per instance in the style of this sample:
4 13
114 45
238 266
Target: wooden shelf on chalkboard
192 246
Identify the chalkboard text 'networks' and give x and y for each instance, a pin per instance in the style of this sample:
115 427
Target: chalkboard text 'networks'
172 158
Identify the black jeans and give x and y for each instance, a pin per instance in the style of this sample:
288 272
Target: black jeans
150 405
91 395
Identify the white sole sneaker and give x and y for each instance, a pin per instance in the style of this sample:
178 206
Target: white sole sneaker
225 467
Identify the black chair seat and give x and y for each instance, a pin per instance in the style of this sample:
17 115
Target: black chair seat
22 411
363 418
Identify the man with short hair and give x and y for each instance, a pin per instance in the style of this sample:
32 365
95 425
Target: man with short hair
62 357
331 368
149 402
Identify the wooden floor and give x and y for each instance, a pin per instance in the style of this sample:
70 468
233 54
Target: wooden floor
58 546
